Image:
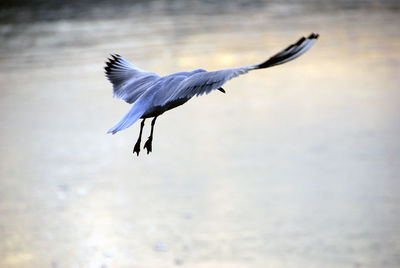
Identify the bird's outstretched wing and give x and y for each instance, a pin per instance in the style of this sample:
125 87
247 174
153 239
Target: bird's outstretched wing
129 82
204 82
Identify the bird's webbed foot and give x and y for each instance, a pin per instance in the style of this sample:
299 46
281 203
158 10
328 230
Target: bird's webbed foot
136 149
148 144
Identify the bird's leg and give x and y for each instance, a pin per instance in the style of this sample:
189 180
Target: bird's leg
147 145
136 149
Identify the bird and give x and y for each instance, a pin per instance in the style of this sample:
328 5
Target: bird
152 95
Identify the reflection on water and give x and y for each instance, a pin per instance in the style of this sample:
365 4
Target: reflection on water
296 166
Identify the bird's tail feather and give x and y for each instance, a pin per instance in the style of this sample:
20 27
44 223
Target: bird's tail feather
129 119
139 108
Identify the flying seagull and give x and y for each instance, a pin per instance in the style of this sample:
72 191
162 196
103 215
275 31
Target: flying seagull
152 95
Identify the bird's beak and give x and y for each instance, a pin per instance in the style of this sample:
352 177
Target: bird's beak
222 90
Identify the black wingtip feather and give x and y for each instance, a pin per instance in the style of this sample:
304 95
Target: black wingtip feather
280 57
301 40
313 36
114 58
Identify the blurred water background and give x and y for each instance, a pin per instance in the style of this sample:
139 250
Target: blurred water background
296 166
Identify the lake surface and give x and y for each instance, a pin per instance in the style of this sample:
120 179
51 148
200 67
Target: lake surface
295 166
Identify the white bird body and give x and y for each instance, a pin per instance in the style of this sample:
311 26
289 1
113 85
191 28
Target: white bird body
153 95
